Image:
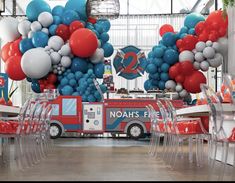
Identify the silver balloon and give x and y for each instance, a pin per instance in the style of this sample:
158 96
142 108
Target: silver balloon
45 30
55 71
200 46
186 55
55 58
216 46
178 87
98 56
60 72
36 26
209 52
46 19
217 61
66 61
196 65
199 57
56 43
194 51
223 42
24 27
9 29
183 93
209 43
204 66
65 50
30 35
170 85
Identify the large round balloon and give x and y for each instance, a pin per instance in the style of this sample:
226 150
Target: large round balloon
69 16
40 39
192 19
99 70
79 6
79 64
192 82
36 63
186 67
166 28
169 39
105 23
13 68
35 7
9 29
5 52
171 56
108 50
83 43
58 11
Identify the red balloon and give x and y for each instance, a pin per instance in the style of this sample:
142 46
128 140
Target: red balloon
92 20
199 27
52 78
180 78
186 68
222 32
179 43
42 87
83 43
166 28
174 71
190 42
213 36
5 52
50 86
192 82
216 20
203 37
13 68
75 26
63 31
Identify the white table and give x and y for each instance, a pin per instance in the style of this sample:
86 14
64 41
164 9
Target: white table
203 110
7 111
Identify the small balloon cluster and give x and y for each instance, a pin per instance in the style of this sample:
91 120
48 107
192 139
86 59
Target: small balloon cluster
175 62
51 45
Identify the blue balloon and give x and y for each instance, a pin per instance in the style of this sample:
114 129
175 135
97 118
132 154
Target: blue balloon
192 19
183 35
157 62
192 31
90 72
99 70
99 28
97 96
58 11
150 54
29 79
148 85
72 82
71 76
108 49
155 76
91 98
171 56
57 20
79 6
169 39
184 30
69 16
84 98
154 82
40 39
90 66
52 29
64 82
25 45
151 69
36 87
105 24
67 90
103 88
158 52
104 37
165 67
96 33
161 85
75 94
164 76
78 75
79 64
35 8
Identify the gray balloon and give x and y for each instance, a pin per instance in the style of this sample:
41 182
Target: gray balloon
45 30
60 72
30 34
216 46
55 58
183 93
170 85
178 87
24 27
55 71
199 57
46 19
209 52
186 55
62 69
200 46
65 50
209 43
223 42
217 61
36 26
196 65
56 43
194 51
204 66
66 61
98 56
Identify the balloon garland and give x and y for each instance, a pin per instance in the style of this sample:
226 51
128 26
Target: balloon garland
176 62
57 48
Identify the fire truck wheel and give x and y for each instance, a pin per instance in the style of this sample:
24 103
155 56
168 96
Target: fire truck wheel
135 131
55 131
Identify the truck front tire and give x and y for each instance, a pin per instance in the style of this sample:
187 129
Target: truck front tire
135 131
55 131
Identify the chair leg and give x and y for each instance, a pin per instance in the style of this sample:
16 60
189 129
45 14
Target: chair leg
225 146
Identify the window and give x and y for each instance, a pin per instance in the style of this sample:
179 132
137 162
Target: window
55 109
69 107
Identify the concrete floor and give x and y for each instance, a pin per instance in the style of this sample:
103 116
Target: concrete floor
101 159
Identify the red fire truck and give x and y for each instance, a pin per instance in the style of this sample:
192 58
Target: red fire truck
128 116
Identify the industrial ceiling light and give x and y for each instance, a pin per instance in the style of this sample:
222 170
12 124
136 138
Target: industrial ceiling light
109 9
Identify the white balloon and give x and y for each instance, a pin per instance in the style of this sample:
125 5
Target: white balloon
186 55
204 66
209 52
55 58
62 69
66 61
217 61
24 27
194 51
36 26
209 43
216 46
170 84
178 87
200 46
46 19
199 57
223 42
9 29
30 35
60 72
183 93
65 50
98 56
56 43
45 30
196 65
47 48
36 63
55 71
